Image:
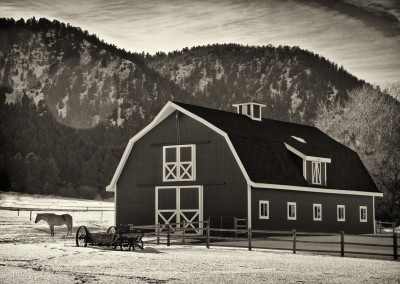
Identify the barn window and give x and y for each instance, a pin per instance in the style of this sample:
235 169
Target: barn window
291 210
316 172
179 163
363 213
341 213
264 209
257 111
317 212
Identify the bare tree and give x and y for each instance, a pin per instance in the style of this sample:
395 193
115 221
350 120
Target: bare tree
369 123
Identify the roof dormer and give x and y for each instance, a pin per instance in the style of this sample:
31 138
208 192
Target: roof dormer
250 109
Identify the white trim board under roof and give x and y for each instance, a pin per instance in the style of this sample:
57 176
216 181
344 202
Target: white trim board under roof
299 139
305 157
170 107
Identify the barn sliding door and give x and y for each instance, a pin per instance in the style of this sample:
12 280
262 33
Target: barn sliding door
178 204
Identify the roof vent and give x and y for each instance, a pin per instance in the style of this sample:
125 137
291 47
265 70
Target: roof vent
250 109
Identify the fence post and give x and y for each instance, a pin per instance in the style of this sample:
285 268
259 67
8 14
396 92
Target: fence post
30 216
294 240
208 236
394 227
395 256
184 230
380 226
158 233
235 226
18 211
249 238
342 243
168 235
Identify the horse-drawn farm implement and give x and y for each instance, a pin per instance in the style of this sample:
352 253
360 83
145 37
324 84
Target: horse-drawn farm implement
124 238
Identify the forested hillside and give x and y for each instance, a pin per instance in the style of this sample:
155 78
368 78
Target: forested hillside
70 102
289 80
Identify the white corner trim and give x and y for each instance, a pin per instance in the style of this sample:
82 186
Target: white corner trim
249 206
307 158
373 214
315 189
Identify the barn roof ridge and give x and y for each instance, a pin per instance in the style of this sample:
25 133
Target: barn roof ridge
271 163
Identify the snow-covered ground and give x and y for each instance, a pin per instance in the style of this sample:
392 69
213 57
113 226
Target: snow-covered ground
29 255
18 200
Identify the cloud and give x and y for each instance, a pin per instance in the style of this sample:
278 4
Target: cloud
151 26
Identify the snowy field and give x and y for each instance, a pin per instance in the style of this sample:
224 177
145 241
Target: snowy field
29 255
18 200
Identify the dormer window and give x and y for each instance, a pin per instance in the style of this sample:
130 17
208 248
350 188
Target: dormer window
314 168
250 109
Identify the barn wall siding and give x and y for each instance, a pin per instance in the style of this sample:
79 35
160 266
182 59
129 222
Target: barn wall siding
214 164
304 204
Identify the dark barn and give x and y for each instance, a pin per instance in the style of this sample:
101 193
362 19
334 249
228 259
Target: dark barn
193 163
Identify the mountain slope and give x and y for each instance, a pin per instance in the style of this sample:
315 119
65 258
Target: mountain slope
80 79
290 81
69 102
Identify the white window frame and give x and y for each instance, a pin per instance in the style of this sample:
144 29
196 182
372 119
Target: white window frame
314 176
180 166
366 216
295 211
344 213
262 202
315 218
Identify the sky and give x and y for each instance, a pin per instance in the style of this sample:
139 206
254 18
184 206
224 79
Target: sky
368 46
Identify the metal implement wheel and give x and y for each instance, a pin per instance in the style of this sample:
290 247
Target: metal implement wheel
82 235
124 245
139 245
112 229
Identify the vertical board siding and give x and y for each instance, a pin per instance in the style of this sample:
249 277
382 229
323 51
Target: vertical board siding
189 198
167 198
304 207
214 163
309 172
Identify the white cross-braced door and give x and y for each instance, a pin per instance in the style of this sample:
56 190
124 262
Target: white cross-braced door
179 204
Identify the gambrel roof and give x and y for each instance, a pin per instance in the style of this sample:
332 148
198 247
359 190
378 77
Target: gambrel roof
264 151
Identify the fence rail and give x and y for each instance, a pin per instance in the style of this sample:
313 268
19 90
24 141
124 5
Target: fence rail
58 209
250 238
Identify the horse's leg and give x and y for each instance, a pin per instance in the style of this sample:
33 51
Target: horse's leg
52 230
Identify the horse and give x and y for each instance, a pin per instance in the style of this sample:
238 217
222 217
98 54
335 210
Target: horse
56 220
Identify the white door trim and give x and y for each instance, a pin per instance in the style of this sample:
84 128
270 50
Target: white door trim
180 212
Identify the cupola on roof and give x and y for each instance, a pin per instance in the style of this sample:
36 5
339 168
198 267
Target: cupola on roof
250 109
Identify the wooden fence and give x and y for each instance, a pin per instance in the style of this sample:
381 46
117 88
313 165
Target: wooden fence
61 208
384 225
257 235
